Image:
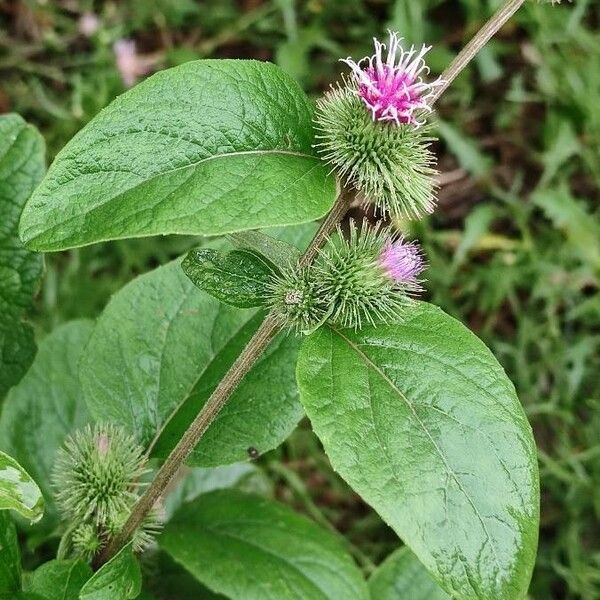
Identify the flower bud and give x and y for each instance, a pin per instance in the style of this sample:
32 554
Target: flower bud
295 299
369 277
96 473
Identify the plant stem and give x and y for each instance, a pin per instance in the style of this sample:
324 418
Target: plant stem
270 327
481 38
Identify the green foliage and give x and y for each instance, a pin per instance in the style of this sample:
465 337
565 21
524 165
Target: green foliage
45 407
423 423
239 278
18 491
10 556
401 575
21 168
156 318
145 166
119 579
247 539
516 271
390 166
59 579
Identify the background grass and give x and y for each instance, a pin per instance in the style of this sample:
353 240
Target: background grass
514 247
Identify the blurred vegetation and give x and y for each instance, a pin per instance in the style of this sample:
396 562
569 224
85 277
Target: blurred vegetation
514 247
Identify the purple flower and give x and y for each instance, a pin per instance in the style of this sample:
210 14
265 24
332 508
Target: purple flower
402 261
393 90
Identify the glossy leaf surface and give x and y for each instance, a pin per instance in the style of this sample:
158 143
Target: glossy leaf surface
238 277
249 548
119 579
59 579
21 168
422 422
207 147
401 575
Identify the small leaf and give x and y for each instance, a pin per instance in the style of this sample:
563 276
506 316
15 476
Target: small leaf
421 420
22 165
401 575
466 150
119 579
205 148
248 548
18 491
10 556
277 251
59 579
46 406
238 278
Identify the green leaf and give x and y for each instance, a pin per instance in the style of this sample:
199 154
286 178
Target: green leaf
570 214
278 252
17 351
59 579
401 575
119 579
159 349
18 491
46 406
421 420
249 548
21 169
199 480
466 150
207 147
238 277
10 556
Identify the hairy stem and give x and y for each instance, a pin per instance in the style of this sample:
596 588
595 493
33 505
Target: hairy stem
483 36
270 327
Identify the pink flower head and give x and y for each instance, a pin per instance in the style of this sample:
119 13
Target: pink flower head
393 90
402 261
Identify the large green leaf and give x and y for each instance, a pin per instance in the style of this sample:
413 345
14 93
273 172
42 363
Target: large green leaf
59 579
249 548
199 480
10 556
157 352
421 420
46 405
21 169
119 579
18 491
208 147
401 575
160 348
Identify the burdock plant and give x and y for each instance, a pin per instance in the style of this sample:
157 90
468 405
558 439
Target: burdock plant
411 408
